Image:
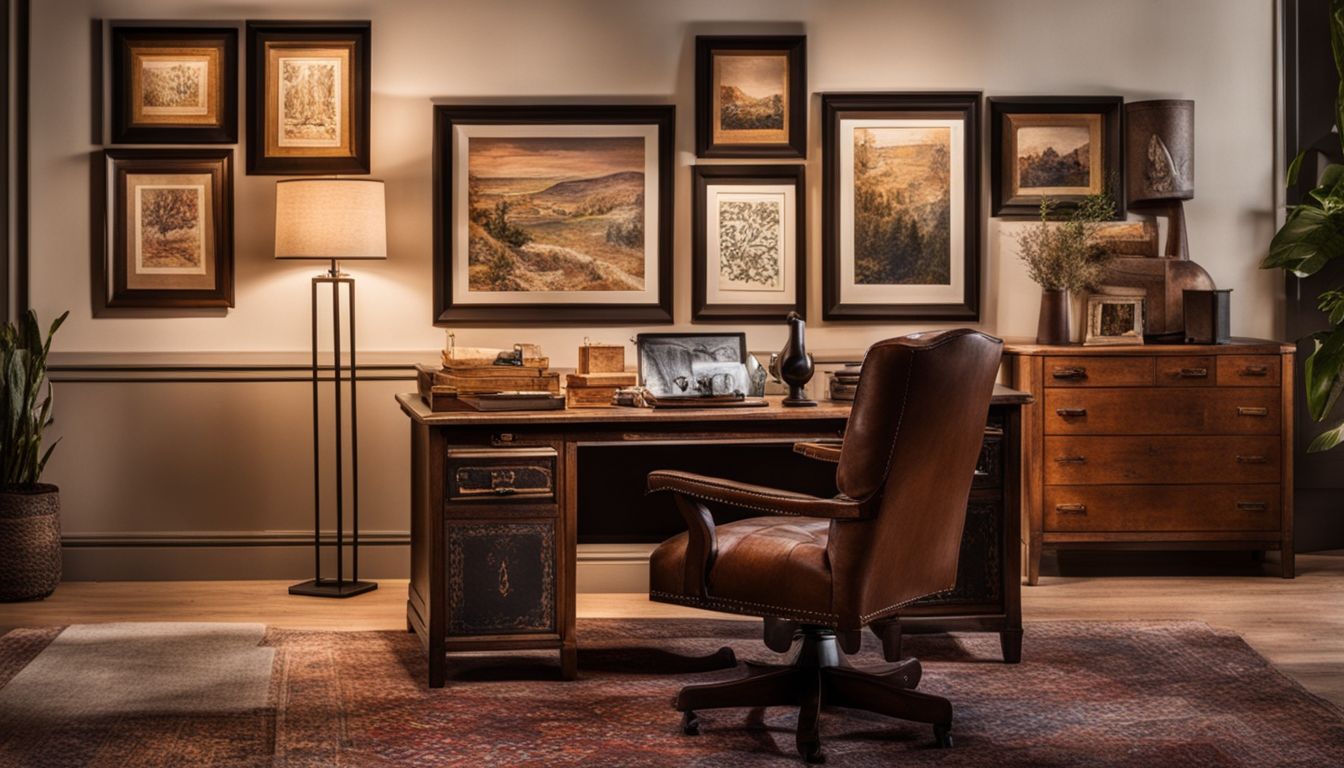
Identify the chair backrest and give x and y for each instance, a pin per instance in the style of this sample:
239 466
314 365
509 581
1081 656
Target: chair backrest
909 453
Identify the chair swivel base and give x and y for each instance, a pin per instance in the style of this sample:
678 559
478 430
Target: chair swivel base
332 588
819 674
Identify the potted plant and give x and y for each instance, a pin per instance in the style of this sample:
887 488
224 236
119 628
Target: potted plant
1065 257
30 525
1311 236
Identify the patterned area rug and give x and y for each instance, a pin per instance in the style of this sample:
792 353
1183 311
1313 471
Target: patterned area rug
1086 694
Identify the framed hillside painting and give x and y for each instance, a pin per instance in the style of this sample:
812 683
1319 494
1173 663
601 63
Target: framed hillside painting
168 229
547 215
900 217
174 85
1060 148
748 230
308 97
751 96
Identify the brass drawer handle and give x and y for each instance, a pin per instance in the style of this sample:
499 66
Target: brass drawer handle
1071 509
1194 373
1071 459
1071 412
1247 411
1255 370
980 473
1070 373
1252 506
1252 460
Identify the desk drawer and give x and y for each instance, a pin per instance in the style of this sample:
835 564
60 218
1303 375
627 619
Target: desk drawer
494 475
989 467
501 577
1102 460
1113 508
1098 371
1249 370
1163 411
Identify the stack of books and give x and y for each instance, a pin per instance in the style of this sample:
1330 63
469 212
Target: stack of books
468 373
601 373
845 382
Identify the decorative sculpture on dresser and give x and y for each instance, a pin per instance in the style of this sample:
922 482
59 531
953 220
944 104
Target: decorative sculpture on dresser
793 365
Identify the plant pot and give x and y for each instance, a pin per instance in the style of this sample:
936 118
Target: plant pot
1053 325
30 541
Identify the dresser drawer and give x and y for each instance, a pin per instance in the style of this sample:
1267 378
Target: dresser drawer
1114 508
1102 460
1249 370
1163 411
485 475
1098 371
501 577
1187 370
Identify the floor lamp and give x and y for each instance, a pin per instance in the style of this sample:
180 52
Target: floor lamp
331 220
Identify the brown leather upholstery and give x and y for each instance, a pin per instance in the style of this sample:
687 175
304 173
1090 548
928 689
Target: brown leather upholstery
894 533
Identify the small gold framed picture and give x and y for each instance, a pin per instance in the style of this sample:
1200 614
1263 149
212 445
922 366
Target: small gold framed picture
174 85
1114 320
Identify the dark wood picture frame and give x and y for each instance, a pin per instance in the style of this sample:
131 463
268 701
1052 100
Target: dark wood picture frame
1001 108
112 259
448 117
704 176
127 38
794 47
961 106
357 35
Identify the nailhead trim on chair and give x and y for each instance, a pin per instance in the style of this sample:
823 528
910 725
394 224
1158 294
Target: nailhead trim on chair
772 510
746 606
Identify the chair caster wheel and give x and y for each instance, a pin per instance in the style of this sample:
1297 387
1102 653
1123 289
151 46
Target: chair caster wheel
690 724
942 736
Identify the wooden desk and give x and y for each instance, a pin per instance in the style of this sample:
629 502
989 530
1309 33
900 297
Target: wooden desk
494 511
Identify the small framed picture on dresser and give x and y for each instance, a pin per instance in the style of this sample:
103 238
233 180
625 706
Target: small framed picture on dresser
174 85
1056 148
751 96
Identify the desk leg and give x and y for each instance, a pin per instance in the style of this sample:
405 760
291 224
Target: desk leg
569 661
438 667
1010 640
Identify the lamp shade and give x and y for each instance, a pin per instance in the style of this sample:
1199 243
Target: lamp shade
1160 150
330 219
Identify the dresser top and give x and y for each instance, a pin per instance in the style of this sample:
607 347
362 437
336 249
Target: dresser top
1233 347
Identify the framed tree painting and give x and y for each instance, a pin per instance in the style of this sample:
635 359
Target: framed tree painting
901 203
552 214
748 228
168 229
1058 147
308 96
174 85
751 96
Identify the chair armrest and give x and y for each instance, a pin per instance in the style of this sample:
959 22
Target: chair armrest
758 498
821 450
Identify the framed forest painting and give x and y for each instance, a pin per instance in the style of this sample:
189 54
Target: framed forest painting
751 96
1058 147
900 218
552 214
168 229
308 96
174 85
748 229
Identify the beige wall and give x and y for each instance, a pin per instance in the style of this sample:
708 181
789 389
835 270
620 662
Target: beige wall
1218 52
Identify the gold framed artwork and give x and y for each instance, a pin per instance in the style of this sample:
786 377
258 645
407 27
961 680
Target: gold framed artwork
751 96
1056 148
168 229
308 92
174 85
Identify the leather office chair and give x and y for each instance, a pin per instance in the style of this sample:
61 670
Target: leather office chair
819 570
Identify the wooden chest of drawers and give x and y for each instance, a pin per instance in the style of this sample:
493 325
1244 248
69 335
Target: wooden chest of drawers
1161 445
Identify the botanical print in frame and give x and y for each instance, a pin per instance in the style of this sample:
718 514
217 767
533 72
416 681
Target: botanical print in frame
1054 148
308 89
551 213
751 96
747 225
174 85
901 199
169 238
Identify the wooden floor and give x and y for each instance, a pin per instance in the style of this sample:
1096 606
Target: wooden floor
1297 624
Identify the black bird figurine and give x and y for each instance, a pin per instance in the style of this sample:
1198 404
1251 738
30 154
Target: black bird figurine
793 365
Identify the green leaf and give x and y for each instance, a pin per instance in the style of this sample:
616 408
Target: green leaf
1323 372
1295 168
1327 439
1307 241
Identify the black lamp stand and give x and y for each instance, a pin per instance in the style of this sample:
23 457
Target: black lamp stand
339 586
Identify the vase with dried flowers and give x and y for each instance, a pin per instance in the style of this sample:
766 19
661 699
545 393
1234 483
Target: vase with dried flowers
1065 257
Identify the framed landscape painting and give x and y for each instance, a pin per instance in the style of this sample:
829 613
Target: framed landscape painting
174 85
308 92
552 214
168 228
900 218
1058 147
748 228
751 96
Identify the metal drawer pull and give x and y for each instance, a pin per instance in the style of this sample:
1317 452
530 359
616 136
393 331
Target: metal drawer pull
1252 506
1246 411
1255 370
1252 460
1071 509
1194 373
1071 459
1070 373
1071 412
980 473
